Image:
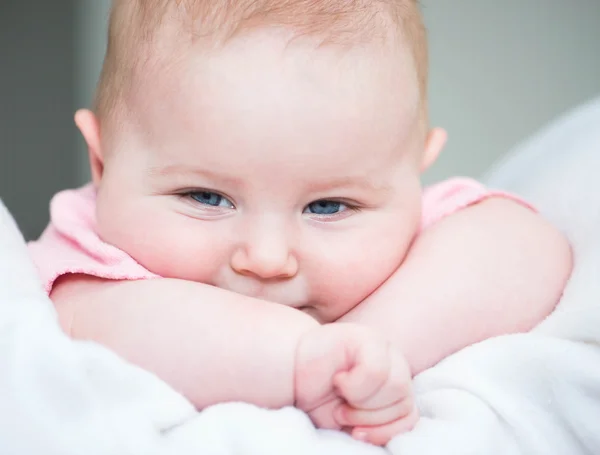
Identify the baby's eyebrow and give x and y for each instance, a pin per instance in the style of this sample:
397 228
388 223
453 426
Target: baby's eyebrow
343 183
189 171
362 183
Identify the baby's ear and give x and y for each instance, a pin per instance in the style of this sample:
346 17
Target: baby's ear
88 124
434 144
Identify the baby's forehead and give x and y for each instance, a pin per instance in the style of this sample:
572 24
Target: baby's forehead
263 72
264 111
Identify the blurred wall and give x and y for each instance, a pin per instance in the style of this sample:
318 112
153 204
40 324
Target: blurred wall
37 142
499 71
502 69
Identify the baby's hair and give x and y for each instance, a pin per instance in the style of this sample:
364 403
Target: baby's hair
134 25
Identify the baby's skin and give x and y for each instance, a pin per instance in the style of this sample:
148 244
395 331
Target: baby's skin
281 205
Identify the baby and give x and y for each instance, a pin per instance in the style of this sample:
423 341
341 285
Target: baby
256 228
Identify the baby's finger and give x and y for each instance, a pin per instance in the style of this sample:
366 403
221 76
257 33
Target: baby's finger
397 387
370 372
350 417
383 434
324 416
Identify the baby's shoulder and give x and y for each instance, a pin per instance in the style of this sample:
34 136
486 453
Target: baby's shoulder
450 196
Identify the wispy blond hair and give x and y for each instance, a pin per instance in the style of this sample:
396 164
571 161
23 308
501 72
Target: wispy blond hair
134 26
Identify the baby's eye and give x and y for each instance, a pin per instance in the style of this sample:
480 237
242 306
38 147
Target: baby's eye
325 207
211 199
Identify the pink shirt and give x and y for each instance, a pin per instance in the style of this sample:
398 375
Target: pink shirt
70 244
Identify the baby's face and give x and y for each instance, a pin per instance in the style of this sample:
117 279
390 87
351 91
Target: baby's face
286 174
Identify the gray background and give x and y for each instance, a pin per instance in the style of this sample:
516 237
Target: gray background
37 76
499 71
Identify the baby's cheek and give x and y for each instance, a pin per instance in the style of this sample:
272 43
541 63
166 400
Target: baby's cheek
183 252
168 244
346 279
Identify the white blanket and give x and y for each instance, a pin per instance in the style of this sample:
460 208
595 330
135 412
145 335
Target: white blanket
530 394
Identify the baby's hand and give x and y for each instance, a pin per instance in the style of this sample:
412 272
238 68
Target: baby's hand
348 377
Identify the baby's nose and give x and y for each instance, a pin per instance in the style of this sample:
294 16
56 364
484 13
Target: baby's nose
265 259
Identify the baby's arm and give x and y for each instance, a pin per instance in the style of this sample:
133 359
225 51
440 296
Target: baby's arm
216 346
491 269
211 345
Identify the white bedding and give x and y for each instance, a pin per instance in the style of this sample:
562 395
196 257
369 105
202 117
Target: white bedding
530 394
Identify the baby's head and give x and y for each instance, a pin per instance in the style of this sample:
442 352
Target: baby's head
269 147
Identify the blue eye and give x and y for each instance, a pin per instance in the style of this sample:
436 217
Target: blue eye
211 199
325 207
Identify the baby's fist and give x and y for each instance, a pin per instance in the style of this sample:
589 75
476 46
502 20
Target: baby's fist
347 376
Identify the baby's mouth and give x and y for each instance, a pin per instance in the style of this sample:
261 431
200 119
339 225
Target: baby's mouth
292 293
312 312
281 293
